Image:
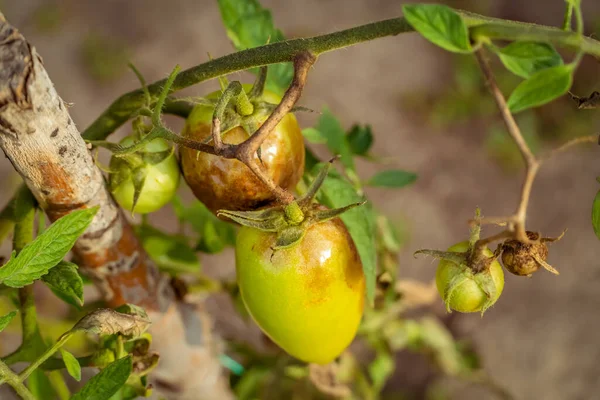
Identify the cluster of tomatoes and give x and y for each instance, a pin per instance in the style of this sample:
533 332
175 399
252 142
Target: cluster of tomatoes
308 297
467 291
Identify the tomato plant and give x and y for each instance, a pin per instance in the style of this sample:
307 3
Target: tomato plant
316 258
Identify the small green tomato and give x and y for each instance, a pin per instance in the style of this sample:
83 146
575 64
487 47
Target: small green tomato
156 175
467 296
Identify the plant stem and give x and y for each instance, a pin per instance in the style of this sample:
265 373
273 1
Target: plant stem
8 376
566 146
568 16
516 222
47 354
531 163
285 51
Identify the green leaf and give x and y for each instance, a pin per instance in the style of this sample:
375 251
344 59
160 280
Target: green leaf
73 367
337 141
46 250
314 136
541 88
215 234
440 25
170 252
436 338
526 58
381 368
337 192
595 215
393 178
360 139
106 383
5 319
250 25
66 283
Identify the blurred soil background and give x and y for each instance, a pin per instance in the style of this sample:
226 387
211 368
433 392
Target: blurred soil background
430 114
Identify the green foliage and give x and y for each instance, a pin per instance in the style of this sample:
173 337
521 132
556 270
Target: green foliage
106 383
360 139
314 136
541 88
46 250
171 253
5 319
440 25
596 214
526 58
66 283
335 136
250 25
214 234
393 178
72 365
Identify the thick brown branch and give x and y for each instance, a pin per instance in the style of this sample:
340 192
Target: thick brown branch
43 144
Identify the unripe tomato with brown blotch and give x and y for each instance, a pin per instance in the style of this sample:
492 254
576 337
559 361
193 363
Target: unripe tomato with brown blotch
468 296
222 183
309 297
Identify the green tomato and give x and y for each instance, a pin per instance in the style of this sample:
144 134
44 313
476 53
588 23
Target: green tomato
308 298
161 179
222 183
467 297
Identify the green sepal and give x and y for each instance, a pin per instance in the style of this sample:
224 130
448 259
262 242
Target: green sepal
289 236
138 178
308 198
456 257
486 283
454 283
156 157
273 222
292 220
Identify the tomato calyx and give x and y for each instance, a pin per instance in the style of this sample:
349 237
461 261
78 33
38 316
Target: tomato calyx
472 265
135 167
523 259
290 221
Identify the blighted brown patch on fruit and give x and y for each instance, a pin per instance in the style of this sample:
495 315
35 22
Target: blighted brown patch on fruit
222 183
353 272
317 282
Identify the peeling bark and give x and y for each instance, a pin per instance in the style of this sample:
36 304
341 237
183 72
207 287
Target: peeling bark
40 139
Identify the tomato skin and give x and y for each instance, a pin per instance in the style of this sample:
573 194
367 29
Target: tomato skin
467 297
222 183
160 185
308 298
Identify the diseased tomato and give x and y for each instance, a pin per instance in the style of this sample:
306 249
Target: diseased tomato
468 296
154 167
222 183
309 297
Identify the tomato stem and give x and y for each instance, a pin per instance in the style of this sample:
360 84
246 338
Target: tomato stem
286 51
